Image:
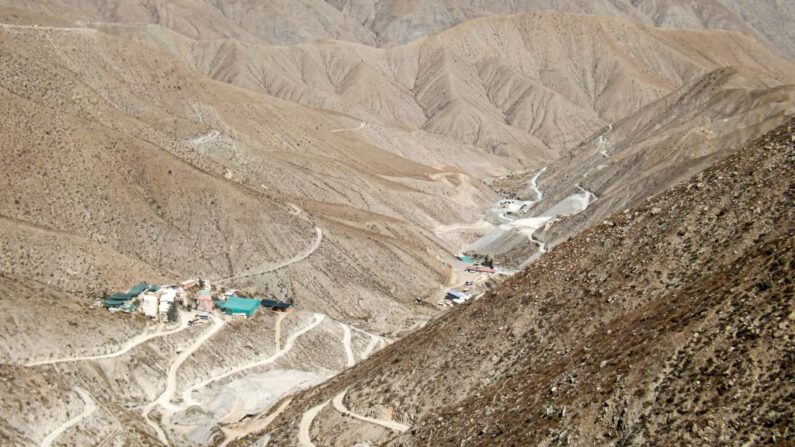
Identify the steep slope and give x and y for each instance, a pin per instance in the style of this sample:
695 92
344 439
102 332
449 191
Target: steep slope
670 323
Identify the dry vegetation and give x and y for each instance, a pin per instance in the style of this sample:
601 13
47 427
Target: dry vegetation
670 323
164 140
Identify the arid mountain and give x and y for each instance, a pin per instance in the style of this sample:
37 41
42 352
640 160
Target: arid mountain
395 22
194 179
528 86
343 154
625 163
668 324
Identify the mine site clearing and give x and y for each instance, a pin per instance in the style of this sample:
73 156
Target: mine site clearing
213 304
186 305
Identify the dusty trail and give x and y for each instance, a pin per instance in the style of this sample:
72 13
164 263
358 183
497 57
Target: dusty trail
164 400
253 425
346 344
350 129
187 394
295 210
278 332
533 183
304 439
47 28
293 260
116 429
374 339
90 408
339 405
134 342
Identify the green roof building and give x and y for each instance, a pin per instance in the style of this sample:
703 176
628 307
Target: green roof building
236 305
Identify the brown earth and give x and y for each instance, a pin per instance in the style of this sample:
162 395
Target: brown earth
671 323
165 140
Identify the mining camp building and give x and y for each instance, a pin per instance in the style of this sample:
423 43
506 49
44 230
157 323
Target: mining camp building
235 305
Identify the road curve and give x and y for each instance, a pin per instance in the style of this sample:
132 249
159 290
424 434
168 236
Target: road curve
339 405
253 425
134 342
89 408
374 339
346 344
187 394
293 260
304 439
164 400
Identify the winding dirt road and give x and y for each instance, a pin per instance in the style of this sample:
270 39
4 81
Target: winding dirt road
304 439
293 260
374 339
346 344
252 425
188 393
339 405
131 344
164 400
90 408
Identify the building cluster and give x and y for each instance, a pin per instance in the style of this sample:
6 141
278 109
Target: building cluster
163 302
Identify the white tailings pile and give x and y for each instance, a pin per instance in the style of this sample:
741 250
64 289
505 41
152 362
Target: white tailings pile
256 392
504 237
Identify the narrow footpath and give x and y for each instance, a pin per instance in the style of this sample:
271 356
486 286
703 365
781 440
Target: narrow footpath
293 260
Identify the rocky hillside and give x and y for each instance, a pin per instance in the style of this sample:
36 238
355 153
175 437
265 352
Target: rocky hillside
671 323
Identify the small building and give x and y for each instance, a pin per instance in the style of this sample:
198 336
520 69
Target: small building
466 259
167 298
235 305
457 297
121 299
204 301
149 305
276 306
189 284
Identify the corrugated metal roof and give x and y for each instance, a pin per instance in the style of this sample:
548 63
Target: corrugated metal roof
236 304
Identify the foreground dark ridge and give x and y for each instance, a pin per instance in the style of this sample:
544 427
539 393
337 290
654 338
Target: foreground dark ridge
670 324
